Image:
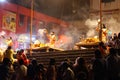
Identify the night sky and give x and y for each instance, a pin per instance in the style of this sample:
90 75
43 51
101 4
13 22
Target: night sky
62 9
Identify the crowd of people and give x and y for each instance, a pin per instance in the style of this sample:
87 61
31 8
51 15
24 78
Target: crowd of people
104 66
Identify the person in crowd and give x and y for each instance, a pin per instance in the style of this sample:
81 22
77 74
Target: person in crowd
9 53
67 72
114 36
113 65
5 69
69 62
10 41
51 70
59 72
21 55
80 69
42 71
21 71
102 49
52 39
104 33
32 70
1 55
99 66
119 35
60 68
117 44
18 55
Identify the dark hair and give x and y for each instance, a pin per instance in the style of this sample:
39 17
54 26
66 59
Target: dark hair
21 61
34 61
81 76
98 53
81 61
52 33
6 61
52 61
22 50
10 37
104 26
115 36
112 51
119 35
9 47
102 45
65 65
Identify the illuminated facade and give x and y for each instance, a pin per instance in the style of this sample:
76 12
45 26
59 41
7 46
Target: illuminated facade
15 18
15 21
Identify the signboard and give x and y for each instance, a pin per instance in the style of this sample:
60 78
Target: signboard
9 21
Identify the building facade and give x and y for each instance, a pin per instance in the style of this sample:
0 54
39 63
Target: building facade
17 22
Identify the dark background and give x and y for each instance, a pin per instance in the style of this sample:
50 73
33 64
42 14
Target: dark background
63 9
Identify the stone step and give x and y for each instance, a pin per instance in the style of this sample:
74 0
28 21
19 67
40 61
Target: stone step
59 56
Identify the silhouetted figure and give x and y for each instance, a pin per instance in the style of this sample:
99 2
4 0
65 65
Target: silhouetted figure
59 72
113 65
5 69
32 70
117 44
52 39
9 52
51 70
67 72
99 66
80 69
10 41
21 55
114 36
41 72
21 70
102 49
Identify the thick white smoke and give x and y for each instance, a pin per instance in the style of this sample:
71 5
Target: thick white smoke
92 25
111 24
66 36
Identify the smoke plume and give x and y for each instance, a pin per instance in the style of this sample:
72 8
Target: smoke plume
111 24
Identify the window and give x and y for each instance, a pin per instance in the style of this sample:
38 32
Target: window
21 22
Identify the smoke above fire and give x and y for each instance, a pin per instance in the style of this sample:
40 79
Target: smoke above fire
111 24
92 24
69 10
66 36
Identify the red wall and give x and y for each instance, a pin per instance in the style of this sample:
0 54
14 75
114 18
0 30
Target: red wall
27 12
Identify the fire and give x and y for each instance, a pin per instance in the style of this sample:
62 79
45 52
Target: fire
65 39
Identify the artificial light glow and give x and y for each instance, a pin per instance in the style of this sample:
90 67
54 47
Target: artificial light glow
2 33
33 38
96 37
2 0
98 20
